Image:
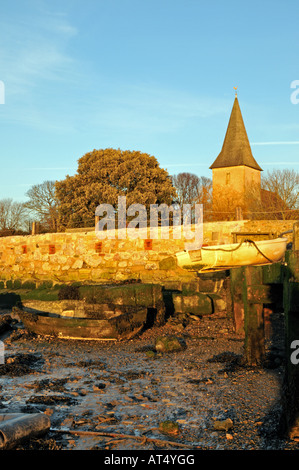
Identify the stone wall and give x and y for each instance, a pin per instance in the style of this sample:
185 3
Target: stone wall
82 257
71 257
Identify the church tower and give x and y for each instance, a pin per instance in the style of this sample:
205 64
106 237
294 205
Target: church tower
236 174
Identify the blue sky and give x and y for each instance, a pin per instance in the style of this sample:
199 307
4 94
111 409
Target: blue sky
149 75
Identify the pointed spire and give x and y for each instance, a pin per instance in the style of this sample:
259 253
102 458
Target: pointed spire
236 148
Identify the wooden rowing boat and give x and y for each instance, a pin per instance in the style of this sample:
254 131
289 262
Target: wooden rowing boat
121 325
248 252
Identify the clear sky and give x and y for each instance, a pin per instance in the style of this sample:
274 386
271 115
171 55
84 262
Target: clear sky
149 75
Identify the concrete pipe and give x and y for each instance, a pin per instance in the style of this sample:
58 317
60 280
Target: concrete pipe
15 427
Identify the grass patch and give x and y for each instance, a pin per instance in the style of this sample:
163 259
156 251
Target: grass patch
10 298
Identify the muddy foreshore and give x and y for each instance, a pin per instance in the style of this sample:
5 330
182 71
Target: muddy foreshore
115 395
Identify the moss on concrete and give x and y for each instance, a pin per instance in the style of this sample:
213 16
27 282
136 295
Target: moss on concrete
168 263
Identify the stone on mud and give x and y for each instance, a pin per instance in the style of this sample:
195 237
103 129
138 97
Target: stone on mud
169 427
196 304
169 344
223 425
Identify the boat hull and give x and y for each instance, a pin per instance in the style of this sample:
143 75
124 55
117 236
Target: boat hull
124 326
233 255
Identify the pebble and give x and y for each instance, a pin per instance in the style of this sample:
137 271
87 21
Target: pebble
223 425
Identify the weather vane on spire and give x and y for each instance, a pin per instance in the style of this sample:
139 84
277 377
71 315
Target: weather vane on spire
235 88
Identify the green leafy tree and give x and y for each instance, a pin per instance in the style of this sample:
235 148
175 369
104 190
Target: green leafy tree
102 176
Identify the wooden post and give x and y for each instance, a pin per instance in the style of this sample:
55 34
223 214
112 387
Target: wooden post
239 213
236 287
253 287
254 347
290 396
33 230
97 219
296 236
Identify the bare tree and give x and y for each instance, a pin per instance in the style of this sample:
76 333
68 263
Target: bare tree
204 197
225 204
12 215
280 194
42 202
192 188
186 185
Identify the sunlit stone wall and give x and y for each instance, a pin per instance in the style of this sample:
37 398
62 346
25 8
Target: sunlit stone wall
81 256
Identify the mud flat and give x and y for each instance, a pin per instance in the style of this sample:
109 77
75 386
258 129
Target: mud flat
127 395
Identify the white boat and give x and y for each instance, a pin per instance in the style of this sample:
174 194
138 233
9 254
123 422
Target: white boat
248 252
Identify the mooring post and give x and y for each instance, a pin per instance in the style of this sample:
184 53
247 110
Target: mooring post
239 213
254 345
33 229
290 396
236 287
296 236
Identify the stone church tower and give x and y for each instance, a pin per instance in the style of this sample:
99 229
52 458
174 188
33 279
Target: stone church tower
236 174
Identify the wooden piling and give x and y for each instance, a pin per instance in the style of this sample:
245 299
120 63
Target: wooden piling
266 290
290 392
254 346
255 289
236 288
239 213
248 296
33 229
296 236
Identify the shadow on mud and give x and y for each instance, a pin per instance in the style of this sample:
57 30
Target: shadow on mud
9 300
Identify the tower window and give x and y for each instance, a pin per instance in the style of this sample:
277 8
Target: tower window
227 178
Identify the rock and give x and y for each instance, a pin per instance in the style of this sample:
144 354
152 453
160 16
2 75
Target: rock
151 354
223 425
169 344
194 303
168 263
68 422
194 317
223 331
169 427
15 336
48 411
99 386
